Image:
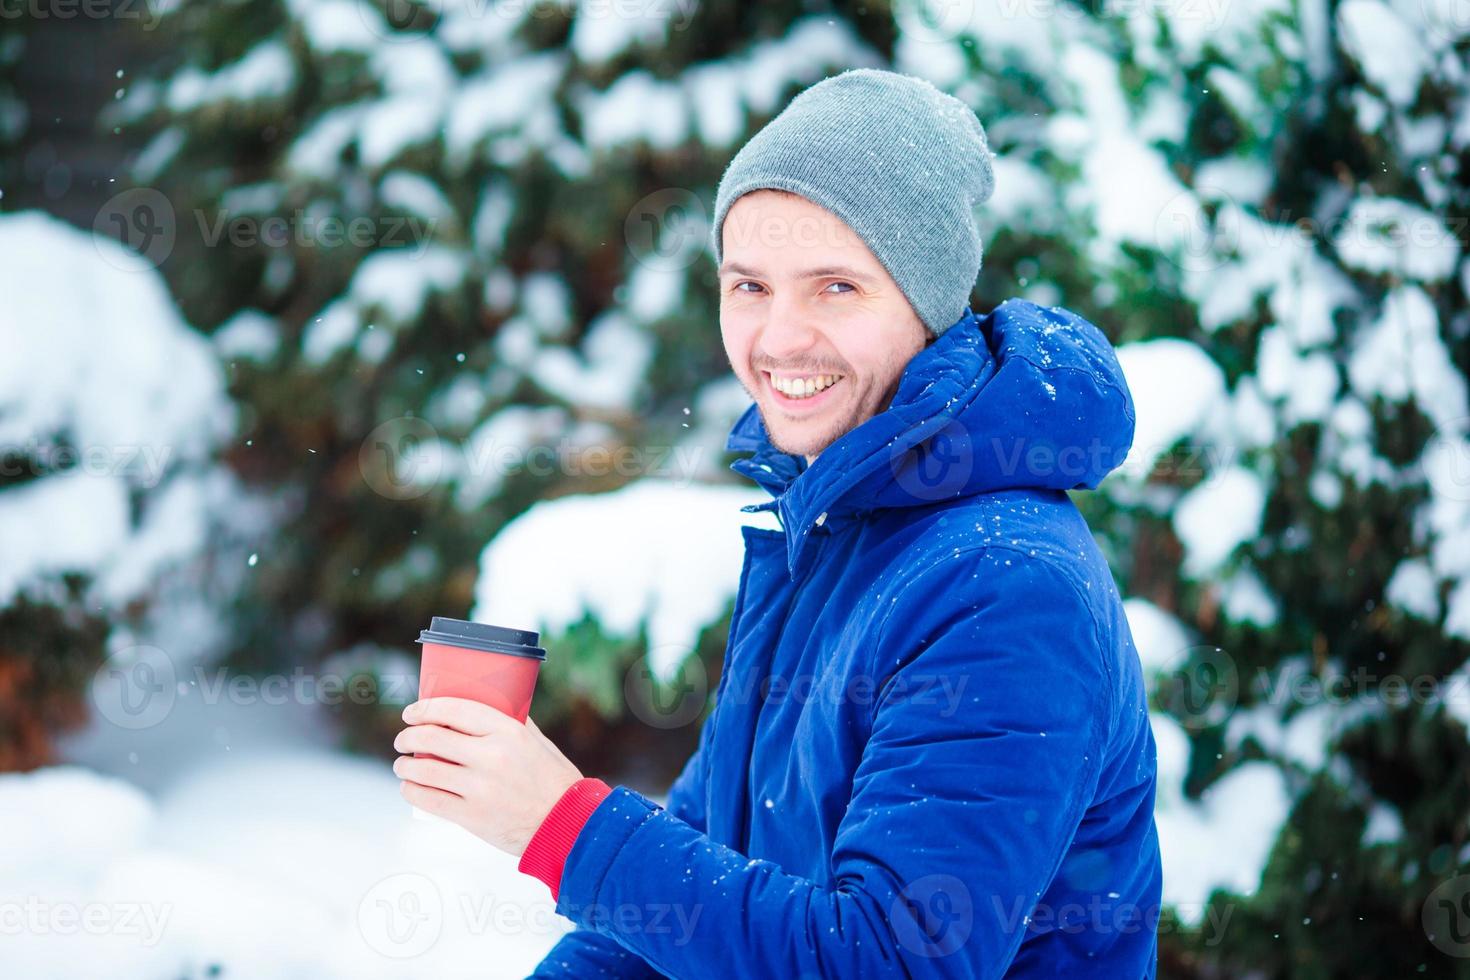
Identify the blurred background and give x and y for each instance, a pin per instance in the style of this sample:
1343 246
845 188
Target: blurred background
319 318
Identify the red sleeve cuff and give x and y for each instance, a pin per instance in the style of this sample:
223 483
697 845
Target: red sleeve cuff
547 851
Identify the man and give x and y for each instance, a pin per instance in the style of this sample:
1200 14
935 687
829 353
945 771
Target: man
930 752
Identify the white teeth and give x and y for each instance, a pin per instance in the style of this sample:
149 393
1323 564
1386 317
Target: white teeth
804 387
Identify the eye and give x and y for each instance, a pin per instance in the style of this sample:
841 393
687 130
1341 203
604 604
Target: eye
850 286
746 282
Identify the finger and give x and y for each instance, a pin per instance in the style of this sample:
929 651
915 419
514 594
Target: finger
446 743
429 799
433 773
461 714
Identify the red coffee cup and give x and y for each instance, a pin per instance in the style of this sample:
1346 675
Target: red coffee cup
494 665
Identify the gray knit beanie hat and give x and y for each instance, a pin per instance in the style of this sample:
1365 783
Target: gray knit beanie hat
901 163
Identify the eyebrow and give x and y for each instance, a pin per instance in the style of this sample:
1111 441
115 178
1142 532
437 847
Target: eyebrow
843 271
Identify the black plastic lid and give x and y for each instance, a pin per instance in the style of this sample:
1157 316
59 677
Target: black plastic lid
483 636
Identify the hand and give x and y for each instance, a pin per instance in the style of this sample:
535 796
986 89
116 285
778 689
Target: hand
501 777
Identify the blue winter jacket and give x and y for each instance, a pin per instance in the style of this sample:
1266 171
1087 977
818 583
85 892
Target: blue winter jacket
929 753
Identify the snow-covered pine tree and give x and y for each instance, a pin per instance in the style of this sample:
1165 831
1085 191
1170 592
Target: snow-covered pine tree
111 409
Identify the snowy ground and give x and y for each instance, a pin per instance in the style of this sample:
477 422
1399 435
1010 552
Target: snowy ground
255 851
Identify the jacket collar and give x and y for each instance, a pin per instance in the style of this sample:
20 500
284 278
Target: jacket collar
996 402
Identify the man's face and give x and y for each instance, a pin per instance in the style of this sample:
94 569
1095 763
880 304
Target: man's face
804 303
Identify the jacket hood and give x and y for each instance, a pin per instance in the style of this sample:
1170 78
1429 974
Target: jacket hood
1026 396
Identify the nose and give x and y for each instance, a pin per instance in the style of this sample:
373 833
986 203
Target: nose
788 332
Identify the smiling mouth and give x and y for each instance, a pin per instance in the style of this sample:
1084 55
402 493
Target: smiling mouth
802 388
